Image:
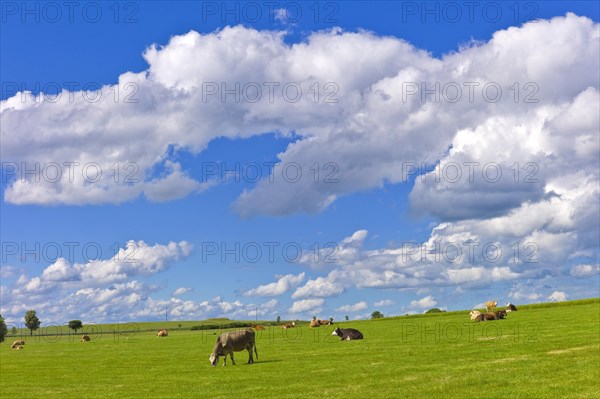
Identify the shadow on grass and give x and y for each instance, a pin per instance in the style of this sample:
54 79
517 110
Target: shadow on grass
259 362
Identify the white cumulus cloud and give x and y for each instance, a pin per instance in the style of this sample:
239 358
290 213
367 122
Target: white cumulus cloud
426 302
384 302
306 305
557 296
357 307
282 285
182 290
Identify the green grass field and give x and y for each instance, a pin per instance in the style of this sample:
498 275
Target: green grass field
541 351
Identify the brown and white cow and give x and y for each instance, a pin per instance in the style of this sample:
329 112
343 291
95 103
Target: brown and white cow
288 325
85 338
19 342
162 333
475 315
16 347
258 327
234 341
314 323
490 306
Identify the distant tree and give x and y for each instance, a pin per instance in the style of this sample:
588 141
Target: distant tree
3 329
435 310
314 317
13 330
346 317
179 325
75 325
376 315
331 320
278 319
31 321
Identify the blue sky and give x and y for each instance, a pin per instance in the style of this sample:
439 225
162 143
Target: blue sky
194 213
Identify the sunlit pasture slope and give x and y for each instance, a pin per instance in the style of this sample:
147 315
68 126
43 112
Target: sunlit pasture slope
540 351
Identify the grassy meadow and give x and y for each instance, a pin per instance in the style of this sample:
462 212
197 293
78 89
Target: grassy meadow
540 351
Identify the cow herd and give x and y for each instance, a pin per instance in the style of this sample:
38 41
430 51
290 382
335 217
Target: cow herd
491 313
236 341
18 344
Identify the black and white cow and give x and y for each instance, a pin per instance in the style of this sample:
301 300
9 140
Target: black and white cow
347 334
510 307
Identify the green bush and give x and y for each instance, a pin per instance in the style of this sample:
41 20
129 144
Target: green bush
231 324
3 329
435 310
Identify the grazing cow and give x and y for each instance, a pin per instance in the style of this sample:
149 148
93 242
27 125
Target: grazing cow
162 333
490 306
510 307
16 347
258 327
475 315
19 342
347 334
85 338
289 325
234 341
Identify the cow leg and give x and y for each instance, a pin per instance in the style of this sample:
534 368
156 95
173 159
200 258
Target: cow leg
224 360
250 360
232 359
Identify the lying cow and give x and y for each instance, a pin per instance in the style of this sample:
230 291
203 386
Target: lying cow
258 327
510 307
234 341
475 315
326 322
314 323
162 333
85 338
500 314
18 342
347 334
490 306
289 325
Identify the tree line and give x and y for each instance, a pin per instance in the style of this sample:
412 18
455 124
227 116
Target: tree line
33 323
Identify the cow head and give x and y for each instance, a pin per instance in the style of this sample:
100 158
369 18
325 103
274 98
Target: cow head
337 332
214 359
